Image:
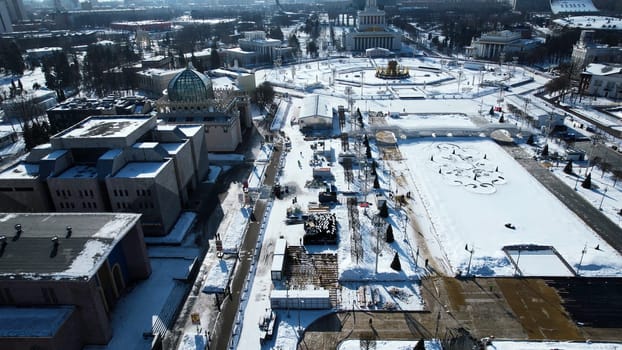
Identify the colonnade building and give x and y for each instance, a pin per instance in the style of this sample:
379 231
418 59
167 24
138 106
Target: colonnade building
491 45
372 31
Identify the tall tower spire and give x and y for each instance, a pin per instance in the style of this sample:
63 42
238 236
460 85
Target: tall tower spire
371 4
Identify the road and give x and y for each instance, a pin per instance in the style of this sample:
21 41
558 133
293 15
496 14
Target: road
604 227
604 153
231 304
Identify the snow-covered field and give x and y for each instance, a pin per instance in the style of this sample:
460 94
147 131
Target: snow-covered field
471 189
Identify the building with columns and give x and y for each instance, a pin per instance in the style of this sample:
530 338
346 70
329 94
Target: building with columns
257 49
371 31
491 45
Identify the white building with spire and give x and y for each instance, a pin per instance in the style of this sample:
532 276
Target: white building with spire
371 31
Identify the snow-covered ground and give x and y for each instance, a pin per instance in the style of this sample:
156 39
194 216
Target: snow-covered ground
132 316
496 345
389 345
548 345
472 188
488 189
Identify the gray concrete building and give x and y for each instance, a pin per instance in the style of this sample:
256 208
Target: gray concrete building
111 163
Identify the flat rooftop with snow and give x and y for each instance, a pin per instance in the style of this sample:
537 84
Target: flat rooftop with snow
39 245
117 131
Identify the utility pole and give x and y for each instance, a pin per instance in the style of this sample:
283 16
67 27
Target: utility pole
600 206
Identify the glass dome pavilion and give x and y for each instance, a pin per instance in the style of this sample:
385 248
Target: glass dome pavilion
190 86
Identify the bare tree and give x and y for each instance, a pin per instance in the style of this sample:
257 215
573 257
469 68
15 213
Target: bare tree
368 341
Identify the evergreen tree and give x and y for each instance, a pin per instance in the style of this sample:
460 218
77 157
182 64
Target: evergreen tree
11 57
293 42
276 33
27 134
530 140
36 133
368 152
395 264
214 57
312 48
389 235
545 150
501 119
264 94
374 165
384 210
491 112
587 183
420 345
568 167
182 59
376 182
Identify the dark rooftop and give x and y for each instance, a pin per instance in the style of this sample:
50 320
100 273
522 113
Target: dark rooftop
39 245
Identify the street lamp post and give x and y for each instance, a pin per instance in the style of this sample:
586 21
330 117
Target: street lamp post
576 182
600 206
417 257
471 251
378 223
581 260
287 297
300 305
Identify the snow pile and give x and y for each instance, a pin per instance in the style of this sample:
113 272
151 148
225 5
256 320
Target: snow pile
233 236
218 276
178 232
193 342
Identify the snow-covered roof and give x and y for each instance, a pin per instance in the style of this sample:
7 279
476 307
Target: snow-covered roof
218 276
172 147
224 83
300 293
111 154
591 22
315 106
104 127
141 169
240 51
32 254
18 322
190 130
280 246
178 232
79 171
576 6
602 69
21 171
